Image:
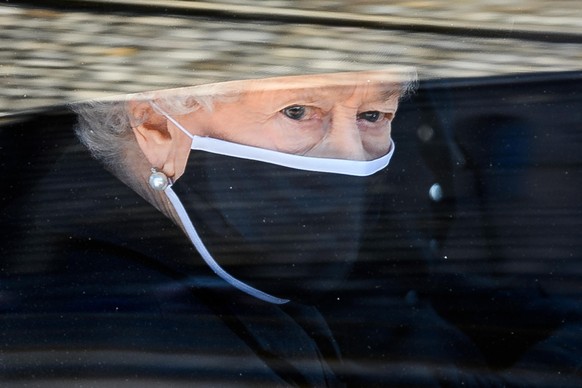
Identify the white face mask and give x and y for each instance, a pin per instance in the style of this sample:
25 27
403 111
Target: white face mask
299 162
347 189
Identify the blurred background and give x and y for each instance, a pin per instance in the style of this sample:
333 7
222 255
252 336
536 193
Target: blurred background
53 52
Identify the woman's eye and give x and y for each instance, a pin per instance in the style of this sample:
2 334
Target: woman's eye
294 112
371 116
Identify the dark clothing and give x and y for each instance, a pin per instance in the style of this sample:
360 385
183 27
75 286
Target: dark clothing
96 284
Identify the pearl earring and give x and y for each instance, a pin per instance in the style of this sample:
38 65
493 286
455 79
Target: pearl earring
158 180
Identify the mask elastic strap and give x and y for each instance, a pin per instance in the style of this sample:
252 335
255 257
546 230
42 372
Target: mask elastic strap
207 257
197 241
299 162
159 109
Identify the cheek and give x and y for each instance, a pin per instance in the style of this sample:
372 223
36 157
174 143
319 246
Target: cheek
236 126
183 150
377 143
250 129
296 137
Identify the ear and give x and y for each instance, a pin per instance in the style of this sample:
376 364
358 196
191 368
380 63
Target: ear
151 132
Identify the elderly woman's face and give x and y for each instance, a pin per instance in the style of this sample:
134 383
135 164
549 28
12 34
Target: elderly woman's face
340 116
319 116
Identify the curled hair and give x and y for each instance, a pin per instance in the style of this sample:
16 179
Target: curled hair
409 84
105 127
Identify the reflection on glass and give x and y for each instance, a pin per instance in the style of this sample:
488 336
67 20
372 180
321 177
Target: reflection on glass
332 130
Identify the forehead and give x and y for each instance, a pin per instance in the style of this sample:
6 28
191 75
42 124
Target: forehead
380 84
355 87
356 90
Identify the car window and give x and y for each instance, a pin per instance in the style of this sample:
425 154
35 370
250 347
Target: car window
290 193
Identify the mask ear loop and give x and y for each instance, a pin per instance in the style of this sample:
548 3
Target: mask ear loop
197 241
159 109
300 162
207 257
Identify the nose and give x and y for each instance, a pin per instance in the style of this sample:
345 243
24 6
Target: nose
343 138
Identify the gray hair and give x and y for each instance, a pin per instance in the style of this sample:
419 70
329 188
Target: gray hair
105 127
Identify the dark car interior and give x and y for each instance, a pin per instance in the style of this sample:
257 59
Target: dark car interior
483 195
470 271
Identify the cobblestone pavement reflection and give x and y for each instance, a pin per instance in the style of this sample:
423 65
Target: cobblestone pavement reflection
52 56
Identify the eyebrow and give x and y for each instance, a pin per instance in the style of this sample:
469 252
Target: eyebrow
322 93
391 92
386 91
302 95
